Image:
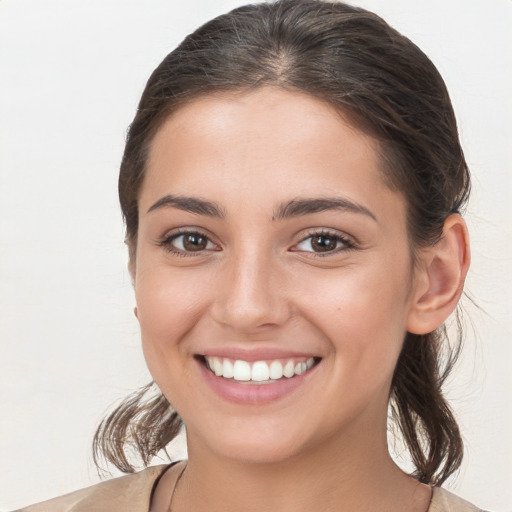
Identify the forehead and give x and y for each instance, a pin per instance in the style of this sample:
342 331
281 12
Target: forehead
264 145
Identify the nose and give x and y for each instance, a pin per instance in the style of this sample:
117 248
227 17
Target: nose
251 295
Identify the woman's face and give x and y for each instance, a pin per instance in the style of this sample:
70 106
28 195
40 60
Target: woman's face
268 244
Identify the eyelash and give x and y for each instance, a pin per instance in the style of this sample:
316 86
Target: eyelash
336 237
167 243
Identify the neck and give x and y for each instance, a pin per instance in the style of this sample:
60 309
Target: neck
341 475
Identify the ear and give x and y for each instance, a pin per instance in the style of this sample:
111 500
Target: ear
439 278
131 269
132 250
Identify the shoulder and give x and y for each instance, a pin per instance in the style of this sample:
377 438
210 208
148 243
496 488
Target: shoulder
130 492
445 501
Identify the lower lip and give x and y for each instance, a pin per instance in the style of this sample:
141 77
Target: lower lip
243 393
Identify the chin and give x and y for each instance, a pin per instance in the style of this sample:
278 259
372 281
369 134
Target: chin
263 445
257 453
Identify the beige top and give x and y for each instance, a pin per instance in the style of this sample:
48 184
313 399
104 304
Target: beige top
133 493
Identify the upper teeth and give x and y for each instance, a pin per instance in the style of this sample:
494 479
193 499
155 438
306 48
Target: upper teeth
257 371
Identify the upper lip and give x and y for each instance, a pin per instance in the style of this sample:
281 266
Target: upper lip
255 354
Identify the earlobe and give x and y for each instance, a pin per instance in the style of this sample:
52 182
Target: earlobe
441 280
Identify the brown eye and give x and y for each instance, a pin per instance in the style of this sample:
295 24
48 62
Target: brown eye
194 242
189 242
323 243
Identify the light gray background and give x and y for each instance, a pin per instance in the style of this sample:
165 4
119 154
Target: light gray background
71 72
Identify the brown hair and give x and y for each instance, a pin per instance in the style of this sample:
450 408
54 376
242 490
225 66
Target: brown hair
389 89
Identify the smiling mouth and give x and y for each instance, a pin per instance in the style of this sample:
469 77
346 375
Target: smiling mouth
258 372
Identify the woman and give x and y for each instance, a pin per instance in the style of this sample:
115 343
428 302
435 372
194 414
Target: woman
292 186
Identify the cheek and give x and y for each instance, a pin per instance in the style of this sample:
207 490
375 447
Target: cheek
166 298
169 306
363 315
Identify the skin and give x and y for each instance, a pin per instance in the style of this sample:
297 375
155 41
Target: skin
258 283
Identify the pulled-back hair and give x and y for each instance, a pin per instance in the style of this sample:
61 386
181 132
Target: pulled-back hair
386 87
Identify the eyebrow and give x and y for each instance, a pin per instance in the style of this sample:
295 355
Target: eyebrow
298 207
189 204
293 208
